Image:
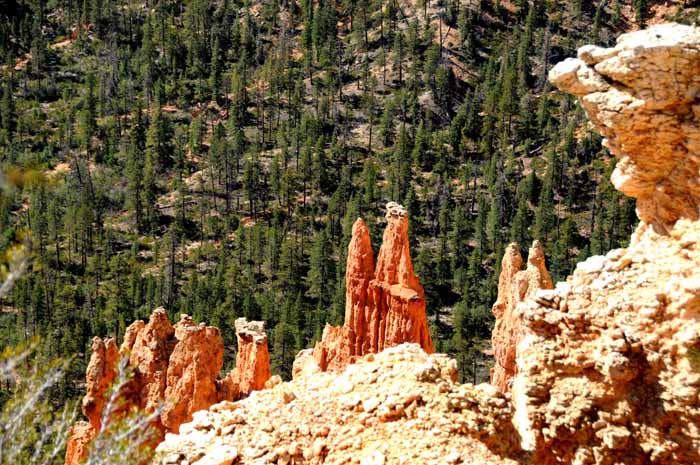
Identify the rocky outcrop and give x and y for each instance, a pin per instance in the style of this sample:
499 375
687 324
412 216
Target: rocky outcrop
514 286
399 406
384 305
80 436
609 364
100 373
642 97
252 369
175 370
608 369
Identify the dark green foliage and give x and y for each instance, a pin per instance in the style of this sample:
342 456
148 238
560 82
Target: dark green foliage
212 157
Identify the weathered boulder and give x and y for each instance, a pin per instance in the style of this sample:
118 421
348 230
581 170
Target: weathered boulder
384 305
514 286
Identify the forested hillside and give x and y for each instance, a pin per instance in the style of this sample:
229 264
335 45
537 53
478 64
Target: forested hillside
210 156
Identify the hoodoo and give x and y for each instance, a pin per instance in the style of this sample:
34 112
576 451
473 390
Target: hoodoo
384 305
175 368
514 286
252 368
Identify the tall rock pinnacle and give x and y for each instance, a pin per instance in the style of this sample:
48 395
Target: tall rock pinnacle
252 361
175 368
514 286
396 298
384 305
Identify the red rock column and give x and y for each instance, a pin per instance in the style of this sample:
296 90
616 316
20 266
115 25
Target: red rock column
193 368
99 375
341 345
384 307
396 298
253 359
514 286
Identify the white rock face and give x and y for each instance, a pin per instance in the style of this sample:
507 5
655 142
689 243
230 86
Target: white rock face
642 96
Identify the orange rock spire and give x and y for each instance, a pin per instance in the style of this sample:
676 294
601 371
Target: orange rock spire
514 286
384 306
252 361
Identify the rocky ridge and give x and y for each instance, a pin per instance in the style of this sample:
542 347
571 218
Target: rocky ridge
399 406
175 371
384 304
514 286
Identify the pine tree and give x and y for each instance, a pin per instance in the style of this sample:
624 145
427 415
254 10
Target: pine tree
159 139
641 12
284 344
519 227
321 274
7 109
135 177
398 49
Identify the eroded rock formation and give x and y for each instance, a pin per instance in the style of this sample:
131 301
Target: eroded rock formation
252 369
609 366
100 373
514 286
608 369
384 305
175 369
193 366
642 97
81 435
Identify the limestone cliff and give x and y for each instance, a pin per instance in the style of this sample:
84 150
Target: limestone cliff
514 286
384 305
175 370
